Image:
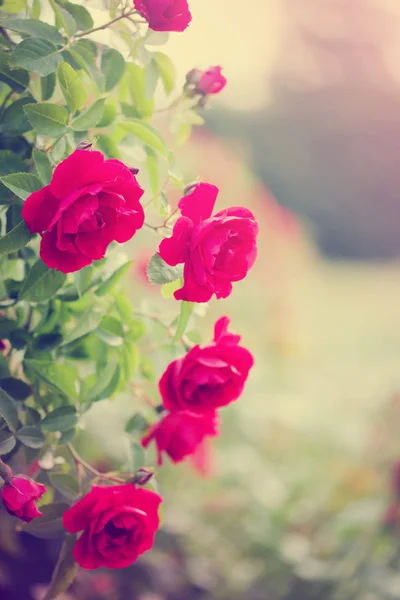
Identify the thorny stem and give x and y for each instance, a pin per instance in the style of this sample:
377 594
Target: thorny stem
124 15
77 458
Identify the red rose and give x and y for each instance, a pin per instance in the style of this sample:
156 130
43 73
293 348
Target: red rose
118 524
211 81
215 250
208 377
89 203
165 15
19 494
179 434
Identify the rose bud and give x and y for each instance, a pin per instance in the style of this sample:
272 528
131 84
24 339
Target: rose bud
179 434
211 82
143 476
207 377
118 524
89 203
165 15
19 494
215 250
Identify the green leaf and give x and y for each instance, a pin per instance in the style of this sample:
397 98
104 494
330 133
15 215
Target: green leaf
36 54
138 457
9 163
8 410
136 424
48 119
60 377
65 570
109 114
19 338
14 120
146 134
41 283
67 436
89 117
185 312
35 28
13 6
61 419
111 282
82 55
7 442
159 272
43 166
17 79
17 389
89 320
31 436
82 279
103 381
168 289
6 327
49 525
15 239
80 14
47 341
21 184
112 66
64 19
47 86
135 77
71 86
36 9
108 146
167 71
65 484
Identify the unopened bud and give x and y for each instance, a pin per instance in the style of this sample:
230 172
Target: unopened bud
143 476
134 171
84 145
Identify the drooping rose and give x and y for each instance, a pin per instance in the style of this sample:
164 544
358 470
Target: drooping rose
211 81
216 250
165 15
19 494
118 523
89 203
179 434
207 377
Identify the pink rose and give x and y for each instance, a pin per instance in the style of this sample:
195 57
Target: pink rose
118 523
89 203
207 377
165 15
216 250
211 81
179 434
19 494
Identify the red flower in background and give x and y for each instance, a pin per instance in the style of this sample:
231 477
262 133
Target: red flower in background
118 524
216 250
19 494
89 203
211 81
165 15
207 377
179 434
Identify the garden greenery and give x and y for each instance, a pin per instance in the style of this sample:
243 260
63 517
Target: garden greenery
71 108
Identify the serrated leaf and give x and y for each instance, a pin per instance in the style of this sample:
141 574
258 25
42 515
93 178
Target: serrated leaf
184 315
159 272
31 436
34 28
67 436
15 239
82 55
61 419
48 119
41 283
17 79
43 166
146 134
60 377
8 410
112 66
21 184
64 20
71 86
80 14
111 282
49 525
7 442
167 71
14 120
36 54
47 86
16 388
89 117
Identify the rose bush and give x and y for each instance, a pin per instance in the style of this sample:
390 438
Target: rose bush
216 250
118 524
89 203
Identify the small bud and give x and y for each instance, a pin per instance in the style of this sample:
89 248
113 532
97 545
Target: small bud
134 171
84 145
193 76
143 476
189 189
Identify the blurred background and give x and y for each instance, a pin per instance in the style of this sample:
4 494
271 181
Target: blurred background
302 500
